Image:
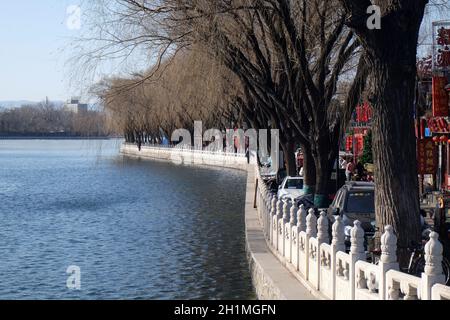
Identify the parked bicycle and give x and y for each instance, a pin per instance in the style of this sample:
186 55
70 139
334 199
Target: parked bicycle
417 261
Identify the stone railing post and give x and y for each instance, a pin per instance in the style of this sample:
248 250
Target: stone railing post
293 213
311 232
338 233
323 229
286 208
268 201
388 260
337 245
281 228
311 224
288 228
433 266
357 253
273 212
279 209
275 220
301 219
266 210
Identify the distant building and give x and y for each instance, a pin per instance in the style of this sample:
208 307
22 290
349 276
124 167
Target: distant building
74 105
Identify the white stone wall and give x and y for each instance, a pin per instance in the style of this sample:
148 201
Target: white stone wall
187 157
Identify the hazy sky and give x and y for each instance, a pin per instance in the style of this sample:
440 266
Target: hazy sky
32 33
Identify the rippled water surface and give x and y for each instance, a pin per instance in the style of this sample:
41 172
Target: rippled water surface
137 229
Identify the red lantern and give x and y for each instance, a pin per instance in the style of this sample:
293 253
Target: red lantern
443 139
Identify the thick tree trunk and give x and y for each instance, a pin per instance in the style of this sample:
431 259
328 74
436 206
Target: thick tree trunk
289 158
397 196
392 53
309 171
323 172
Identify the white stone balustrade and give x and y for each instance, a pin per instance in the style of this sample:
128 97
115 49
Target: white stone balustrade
304 241
440 292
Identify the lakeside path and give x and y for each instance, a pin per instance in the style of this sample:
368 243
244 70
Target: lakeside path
271 279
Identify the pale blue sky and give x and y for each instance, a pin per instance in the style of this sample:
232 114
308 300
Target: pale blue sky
32 33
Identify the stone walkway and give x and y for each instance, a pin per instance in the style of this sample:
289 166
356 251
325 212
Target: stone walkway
271 279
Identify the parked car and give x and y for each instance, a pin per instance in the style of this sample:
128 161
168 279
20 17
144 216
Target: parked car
291 188
307 201
355 201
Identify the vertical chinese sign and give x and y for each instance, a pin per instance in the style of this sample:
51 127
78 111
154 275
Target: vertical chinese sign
427 156
441 47
440 97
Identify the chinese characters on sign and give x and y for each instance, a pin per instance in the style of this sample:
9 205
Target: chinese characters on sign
427 156
441 47
364 113
440 97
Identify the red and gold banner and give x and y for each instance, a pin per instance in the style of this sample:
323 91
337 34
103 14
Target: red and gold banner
427 156
440 97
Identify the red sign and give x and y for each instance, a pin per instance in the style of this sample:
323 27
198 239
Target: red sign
441 46
438 125
440 97
364 113
359 144
427 156
349 144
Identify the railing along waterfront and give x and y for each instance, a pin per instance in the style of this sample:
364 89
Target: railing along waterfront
302 241
189 149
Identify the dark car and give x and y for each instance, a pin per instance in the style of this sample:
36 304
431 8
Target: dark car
307 201
355 201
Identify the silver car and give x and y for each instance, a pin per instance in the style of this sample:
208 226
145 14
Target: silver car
355 201
291 188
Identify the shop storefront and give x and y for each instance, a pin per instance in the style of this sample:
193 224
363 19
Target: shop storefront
433 124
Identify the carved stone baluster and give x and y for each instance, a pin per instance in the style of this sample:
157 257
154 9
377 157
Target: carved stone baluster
339 235
311 224
389 246
274 201
433 266
286 207
388 261
357 241
293 212
323 228
279 209
433 256
301 219
269 201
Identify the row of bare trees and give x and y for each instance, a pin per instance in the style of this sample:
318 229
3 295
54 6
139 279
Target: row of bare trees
189 87
299 66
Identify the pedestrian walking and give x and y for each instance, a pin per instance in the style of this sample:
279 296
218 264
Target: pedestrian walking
349 170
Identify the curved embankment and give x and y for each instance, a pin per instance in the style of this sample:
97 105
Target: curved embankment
272 280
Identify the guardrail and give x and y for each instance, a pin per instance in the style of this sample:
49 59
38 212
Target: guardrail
301 241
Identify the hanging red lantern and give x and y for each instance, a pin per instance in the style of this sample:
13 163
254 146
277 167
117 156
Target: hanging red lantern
443 139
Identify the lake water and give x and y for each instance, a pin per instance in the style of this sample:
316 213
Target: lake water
136 229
